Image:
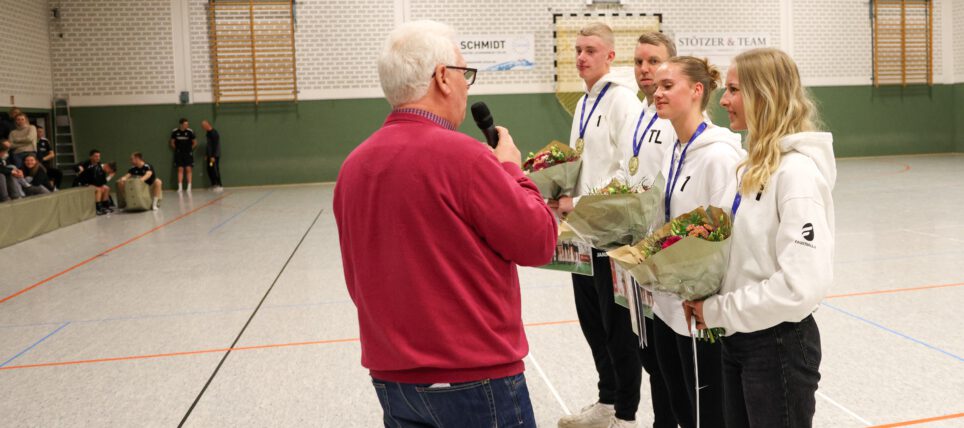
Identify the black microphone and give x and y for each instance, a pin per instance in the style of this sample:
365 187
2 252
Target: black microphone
483 118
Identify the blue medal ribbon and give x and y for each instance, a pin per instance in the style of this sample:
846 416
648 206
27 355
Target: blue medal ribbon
674 178
583 123
638 143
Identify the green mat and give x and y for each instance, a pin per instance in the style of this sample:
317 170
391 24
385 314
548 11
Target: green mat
25 218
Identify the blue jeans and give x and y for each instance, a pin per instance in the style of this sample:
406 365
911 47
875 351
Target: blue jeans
770 376
489 403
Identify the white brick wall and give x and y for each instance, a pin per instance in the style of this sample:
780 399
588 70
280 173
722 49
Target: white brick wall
958 12
126 47
113 48
25 69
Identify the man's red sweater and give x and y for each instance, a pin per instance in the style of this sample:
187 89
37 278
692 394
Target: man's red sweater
431 228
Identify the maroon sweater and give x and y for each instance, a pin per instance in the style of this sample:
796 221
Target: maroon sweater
431 228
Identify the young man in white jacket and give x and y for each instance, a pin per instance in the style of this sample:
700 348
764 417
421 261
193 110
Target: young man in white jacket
698 171
602 116
781 256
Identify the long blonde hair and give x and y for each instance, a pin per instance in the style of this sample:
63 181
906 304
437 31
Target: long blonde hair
775 104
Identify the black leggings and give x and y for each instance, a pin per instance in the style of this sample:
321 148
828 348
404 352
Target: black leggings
607 327
675 355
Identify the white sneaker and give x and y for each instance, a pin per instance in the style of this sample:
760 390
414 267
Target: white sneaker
189 187
596 415
619 423
218 189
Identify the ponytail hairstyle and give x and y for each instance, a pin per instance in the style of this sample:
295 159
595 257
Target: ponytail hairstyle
699 70
775 105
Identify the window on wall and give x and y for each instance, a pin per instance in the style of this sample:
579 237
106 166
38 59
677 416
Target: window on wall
903 42
252 50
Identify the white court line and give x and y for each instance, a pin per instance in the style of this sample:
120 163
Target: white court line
551 388
846 410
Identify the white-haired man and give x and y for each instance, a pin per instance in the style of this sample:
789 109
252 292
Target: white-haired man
432 224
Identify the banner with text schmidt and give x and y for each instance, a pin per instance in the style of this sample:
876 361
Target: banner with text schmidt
499 52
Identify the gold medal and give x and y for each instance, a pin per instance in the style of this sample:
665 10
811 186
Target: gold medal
580 144
633 165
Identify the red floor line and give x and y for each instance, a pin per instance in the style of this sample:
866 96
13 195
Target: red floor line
921 421
109 250
894 290
209 351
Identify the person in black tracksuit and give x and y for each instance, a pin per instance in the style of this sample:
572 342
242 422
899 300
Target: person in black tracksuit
46 155
92 173
213 155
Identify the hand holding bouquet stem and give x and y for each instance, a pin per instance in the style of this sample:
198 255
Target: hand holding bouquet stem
694 310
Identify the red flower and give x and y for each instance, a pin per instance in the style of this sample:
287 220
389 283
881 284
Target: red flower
670 240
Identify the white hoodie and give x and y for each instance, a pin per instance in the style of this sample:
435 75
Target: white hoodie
781 256
601 157
656 144
707 178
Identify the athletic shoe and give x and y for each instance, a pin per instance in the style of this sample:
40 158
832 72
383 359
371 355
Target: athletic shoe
619 423
596 415
218 189
101 211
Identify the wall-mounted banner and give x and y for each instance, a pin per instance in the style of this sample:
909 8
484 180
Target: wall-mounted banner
720 48
499 52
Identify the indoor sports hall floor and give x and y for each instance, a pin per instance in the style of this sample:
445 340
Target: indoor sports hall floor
230 310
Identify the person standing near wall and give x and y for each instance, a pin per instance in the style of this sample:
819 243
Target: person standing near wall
47 156
432 224
183 143
24 139
213 155
602 116
781 258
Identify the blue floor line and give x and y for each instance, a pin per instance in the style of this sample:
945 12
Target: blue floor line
35 343
892 331
219 225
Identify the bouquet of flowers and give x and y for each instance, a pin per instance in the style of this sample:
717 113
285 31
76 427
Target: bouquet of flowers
616 214
554 169
686 257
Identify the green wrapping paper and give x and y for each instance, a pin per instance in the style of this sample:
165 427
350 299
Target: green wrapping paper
559 180
692 268
610 221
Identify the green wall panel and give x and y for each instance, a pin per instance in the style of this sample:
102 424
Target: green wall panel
959 117
307 141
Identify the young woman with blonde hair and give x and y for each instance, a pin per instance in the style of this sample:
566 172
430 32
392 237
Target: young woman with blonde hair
781 259
697 169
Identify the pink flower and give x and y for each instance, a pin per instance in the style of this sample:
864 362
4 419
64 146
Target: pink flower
670 240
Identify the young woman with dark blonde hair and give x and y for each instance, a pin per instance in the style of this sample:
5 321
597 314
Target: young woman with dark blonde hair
698 168
781 259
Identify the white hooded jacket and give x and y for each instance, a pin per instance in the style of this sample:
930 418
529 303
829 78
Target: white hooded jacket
781 256
706 178
601 157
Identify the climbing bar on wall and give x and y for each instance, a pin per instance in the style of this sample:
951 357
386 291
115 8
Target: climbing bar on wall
903 32
252 51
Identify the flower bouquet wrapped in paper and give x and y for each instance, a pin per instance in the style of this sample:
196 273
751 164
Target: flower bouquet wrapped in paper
616 214
554 169
686 257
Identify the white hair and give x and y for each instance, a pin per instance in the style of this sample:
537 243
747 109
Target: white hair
409 58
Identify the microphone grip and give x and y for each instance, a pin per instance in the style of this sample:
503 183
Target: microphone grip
491 136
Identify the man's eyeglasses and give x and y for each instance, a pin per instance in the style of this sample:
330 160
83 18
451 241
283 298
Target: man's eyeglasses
468 72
